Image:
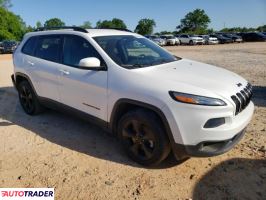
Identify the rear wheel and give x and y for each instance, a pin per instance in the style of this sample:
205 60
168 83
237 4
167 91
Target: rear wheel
28 99
143 137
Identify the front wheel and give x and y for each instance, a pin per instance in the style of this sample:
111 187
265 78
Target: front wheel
190 42
143 137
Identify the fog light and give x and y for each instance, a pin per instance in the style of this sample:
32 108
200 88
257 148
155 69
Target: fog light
215 122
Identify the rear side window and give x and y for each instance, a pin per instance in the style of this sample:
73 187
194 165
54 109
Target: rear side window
49 48
29 46
77 48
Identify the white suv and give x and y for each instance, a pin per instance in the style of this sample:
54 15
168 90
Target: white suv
153 101
190 39
170 39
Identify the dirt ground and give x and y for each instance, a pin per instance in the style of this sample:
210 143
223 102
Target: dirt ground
81 161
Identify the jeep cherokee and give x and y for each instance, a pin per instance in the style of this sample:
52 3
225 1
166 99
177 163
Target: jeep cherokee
152 101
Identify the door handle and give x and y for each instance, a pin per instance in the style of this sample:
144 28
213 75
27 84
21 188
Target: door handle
64 72
30 63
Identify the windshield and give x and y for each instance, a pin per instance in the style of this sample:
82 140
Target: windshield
134 52
153 37
261 34
9 43
170 37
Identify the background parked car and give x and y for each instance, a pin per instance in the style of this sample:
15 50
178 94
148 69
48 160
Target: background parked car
9 46
204 38
170 39
234 37
190 39
253 37
209 40
221 38
1 47
156 39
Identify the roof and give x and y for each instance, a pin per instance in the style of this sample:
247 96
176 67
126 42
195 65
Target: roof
91 32
105 32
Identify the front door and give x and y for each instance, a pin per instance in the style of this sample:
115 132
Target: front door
83 89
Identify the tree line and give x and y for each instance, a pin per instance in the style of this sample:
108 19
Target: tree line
196 22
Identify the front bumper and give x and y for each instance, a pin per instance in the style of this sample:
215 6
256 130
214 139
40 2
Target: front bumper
171 42
9 50
198 42
187 122
207 148
192 138
213 42
238 40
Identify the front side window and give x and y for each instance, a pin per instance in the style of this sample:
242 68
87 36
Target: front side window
133 52
76 48
49 48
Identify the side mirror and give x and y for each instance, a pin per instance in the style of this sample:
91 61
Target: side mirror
90 63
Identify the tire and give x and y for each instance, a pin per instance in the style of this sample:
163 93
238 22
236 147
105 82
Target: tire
28 99
190 42
143 137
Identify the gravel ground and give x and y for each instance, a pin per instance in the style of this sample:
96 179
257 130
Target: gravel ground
81 161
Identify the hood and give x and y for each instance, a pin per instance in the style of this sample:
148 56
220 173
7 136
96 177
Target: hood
157 39
203 76
222 37
212 38
236 36
196 38
171 39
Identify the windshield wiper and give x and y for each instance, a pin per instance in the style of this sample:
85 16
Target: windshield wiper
135 66
160 61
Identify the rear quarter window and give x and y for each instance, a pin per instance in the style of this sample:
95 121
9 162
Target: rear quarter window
29 46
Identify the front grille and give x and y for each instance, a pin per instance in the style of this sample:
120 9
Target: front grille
242 98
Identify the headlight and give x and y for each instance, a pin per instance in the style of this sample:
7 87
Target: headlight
195 99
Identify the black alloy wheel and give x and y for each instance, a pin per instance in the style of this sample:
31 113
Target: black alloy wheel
28 99
143 137
139 138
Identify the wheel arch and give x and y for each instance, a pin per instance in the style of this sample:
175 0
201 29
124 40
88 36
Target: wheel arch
124 105
19 77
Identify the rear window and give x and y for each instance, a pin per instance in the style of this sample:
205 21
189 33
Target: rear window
29 47
49 48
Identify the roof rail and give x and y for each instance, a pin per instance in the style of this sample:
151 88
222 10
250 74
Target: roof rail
119 29
75 28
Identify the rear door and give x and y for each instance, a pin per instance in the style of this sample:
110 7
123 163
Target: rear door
184 38
45 64
83 89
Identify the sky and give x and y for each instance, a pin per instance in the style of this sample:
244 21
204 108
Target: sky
166 13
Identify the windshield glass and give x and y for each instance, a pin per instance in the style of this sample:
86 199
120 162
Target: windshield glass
134 52
9 43
260 34
170 37
153 37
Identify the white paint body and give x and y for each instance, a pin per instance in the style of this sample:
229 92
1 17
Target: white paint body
187 39
102 89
